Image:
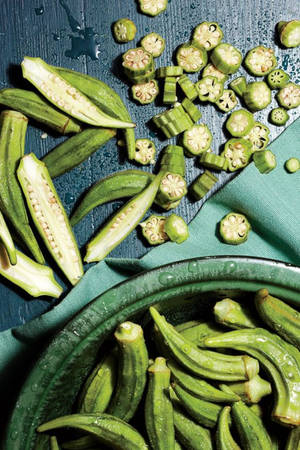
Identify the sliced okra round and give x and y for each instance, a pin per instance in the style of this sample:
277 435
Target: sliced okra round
239 85
289 33
176 228
211 70
144 151
191 109
191 58
213 161
227 101
240 123
172 188
137 61
226 58
169 96
153 229
124 30
277 79
203 184
154 44
289 96
208 35
153 7
258 137
279 116
188 87
145 93
258 95
234 228
209 89
264 161
292 165
197 139
169 71
237 152
260 61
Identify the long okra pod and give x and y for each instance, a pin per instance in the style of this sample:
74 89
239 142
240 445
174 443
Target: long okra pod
234 315
6 239
199 332
53 443
224 439
12 142
280 360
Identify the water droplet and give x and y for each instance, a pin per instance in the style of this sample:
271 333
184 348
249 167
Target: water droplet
39 11
193 267
290 375
69 198
56 36
14 435
166 278
230 267
186 348
261 339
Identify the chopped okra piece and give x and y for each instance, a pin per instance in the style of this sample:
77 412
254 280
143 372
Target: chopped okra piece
234 228
173 160
264 161
197 139
142 79
203 184
167 205
209 89
292 165
240 123
289 33
191 58
237 152
188 87
257 95
144 151
289 96
169 96
171 115
212 161
208 35
153 7
211 70
154 44
226 58
153 229
172 188
169 71
176 228
191 109
227 101
145 93
277 79
124 30
260 61
279 116
239 85
173 129
258 137
137 61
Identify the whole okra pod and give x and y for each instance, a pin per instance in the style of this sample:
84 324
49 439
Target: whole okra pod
234 315
224 439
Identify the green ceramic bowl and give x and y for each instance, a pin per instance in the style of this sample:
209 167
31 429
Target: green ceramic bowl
181 290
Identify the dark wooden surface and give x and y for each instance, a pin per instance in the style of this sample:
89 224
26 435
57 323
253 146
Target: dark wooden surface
43 28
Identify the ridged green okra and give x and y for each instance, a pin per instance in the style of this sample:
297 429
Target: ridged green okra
88 442
36 107
224 439
234 315
6 239
49 216
76 149
132 374
203 362
197 333
293 442
279 316
251 391
53 443
109 430
158 407
280 360
12 142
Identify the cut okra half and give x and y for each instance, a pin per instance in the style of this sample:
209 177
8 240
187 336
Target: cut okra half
202 185
144 151
191 58
197 139
124 30
289 96
137 61
292 165
260 61
154 44
145 93
258 137
209 89
279 117
237 152
208 35
176 229
153 229
228 101
211 70
226 58
277 79
240 123
153 7
257 95
234 228
289 33
265 161
188 87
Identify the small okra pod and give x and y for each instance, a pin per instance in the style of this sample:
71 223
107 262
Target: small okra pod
234 229
260 61
176 228
226 58
198 332
124 30
289 96
208 35
6 240
252 391
224 439
153 229
279 316
265 161
257 95
154 44
240 122
191 57
158 407
203 184
258 137
234 315
293 442
289 33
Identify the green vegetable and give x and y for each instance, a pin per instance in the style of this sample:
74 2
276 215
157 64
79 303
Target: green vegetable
137 62
292 165
88 442
34 106
158 407
172 188
188 87
240 122
153 229
238 85
145 151
133 366
289 96
277 79
257 96
201 362
191 57
191 109
265 161
173 160
226 58
233 315
49 216
227 101
252 391
76 149
211 70
169 95
279 316
109 430
234 229
12 143
289 33
209 89
208 35
197 139
260 61
237 152
258 137
281 362
169 71
176 229
203 184
65 96
279 116
173 121
198 332
212 161
124 30
293 442
153 7
53 443
122 223
224 439
7 242
145 93
154 44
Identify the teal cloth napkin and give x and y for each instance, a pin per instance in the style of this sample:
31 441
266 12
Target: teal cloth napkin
271 203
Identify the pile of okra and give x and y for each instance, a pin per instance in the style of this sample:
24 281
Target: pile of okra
73 103
228 380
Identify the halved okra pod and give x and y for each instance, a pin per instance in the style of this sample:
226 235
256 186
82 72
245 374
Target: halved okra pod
145 151
208 35
145 93
251 391
191 57
154 44
265 161
224 439
258 137
289 96
237 152
153 229
234 315
49 216
279 117
210 89
257 95
277 79
197 139
226 58
153 7
289 33
124 30
234 228
260 61
133 366
7 242
203 184
227 101
211 70
240 122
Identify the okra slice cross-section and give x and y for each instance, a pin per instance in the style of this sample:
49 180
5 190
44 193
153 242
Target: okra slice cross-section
154 44
145 93
258 137
237 152
277 79
257 95
153 229
227 101
153 7
260 61
172 187
289 33
124 30
279 116
265 161
197 139
226 58
137 61
240 123
191 58
211 70
208 35
210 89
145 151
234 228
289 96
